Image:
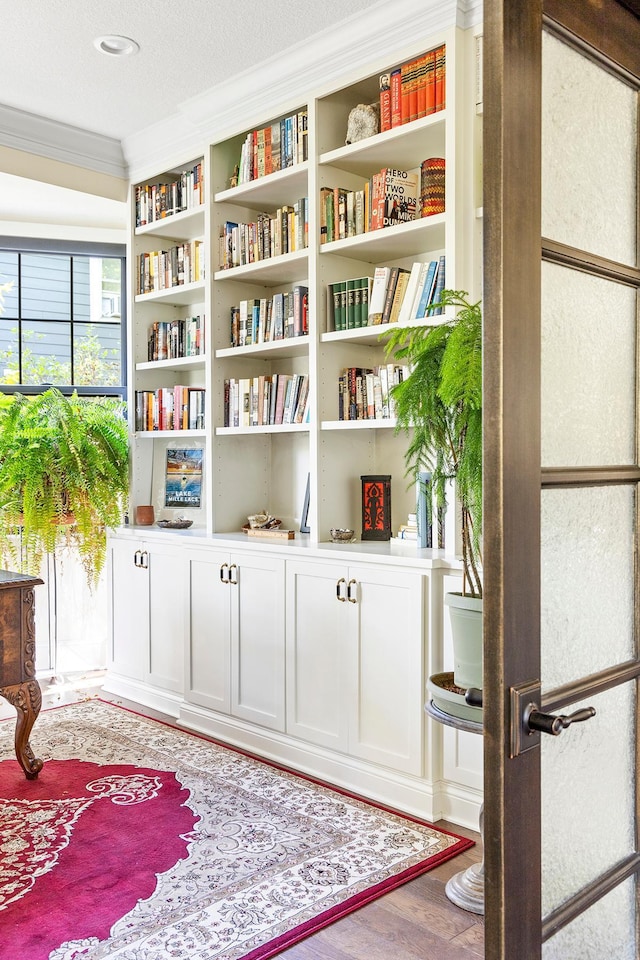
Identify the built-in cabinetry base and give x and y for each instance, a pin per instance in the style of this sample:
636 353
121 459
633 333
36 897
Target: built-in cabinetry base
252 645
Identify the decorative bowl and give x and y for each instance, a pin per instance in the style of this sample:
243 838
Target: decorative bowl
341 535
178 524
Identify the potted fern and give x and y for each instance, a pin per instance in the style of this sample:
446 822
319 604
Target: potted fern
63 477
439 406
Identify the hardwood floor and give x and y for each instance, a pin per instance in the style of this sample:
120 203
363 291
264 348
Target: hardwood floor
414 922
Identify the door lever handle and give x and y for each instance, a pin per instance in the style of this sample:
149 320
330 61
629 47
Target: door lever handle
552 723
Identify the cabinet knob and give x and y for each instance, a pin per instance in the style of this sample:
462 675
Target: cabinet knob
144 560
232 576
352 599
224 578
339 595
136 558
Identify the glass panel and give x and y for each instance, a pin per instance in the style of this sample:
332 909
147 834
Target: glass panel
46 353
96 288
96 354
588 369
9 277
9 358
604 932
587 581
46 287
588 818
589 144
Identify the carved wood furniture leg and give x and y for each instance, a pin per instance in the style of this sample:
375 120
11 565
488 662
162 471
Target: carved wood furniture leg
27 699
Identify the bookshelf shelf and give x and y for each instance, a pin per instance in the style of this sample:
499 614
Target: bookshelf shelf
278 428
372 335
185 225
385 424
178 363
273 272
392 243
184 294
403 147
273 190
168 434
289 347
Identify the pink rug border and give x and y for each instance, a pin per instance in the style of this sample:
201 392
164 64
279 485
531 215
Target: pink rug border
337 912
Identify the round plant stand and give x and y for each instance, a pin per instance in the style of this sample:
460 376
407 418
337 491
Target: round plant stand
466 888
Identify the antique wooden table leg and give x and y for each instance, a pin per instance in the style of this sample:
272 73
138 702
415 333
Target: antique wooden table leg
18 682
27 699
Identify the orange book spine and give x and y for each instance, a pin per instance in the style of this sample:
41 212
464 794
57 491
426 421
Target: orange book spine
396 98
441 78
405 77
430 83
421 88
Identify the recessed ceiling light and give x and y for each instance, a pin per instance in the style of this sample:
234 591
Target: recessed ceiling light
115 46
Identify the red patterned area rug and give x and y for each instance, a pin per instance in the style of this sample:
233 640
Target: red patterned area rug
144 842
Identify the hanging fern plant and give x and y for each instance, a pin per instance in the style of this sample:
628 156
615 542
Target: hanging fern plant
63 477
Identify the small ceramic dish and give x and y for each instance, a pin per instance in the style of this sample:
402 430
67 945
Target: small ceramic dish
341 535
178 524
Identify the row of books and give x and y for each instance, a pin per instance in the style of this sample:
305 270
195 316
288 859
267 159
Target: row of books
365 393
404 296
155 201
172 339
269 149
388 198
170 408
265 319
271 235
413 90
266 400
392 295
162 269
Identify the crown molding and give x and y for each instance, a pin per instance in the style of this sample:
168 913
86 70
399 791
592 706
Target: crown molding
241 101
43 137
312 65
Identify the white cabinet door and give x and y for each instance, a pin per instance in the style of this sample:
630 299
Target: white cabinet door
386 656
167 583
355 652
317 639
209 630
129 609
257 639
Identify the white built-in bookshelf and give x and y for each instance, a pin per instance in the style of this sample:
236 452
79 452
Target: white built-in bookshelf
260 464
313 653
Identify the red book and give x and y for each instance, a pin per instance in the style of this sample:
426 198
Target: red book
421 91
385 101
413 69
430 83
441 77
396 98
405 77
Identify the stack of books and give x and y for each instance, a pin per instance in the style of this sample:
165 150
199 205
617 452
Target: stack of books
413 90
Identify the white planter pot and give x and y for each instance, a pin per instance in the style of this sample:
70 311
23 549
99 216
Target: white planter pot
466 626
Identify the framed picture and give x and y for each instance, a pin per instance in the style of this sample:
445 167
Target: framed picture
304 517
376 507
183 478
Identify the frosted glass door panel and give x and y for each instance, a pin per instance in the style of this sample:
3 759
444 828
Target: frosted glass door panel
589 144
587 819
588 369
587 581
604 932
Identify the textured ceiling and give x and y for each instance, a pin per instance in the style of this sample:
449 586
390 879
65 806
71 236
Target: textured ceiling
49 66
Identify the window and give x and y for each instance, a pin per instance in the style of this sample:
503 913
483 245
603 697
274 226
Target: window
62 316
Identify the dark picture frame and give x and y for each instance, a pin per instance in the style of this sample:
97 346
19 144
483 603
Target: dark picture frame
304 517
376 507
